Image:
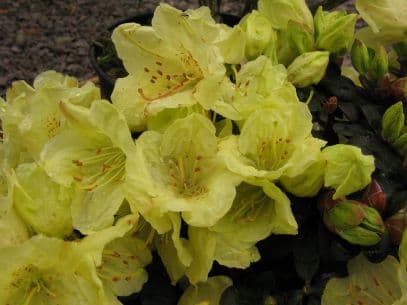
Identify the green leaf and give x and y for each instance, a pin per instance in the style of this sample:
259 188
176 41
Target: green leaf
393 122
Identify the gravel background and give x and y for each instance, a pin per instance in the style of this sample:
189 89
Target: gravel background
39 35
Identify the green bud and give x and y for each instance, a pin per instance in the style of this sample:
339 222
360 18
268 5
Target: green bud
355 222
281 11
300 39
360 236
372 220
334 30
360 57
345 215
259 34
308 68
379 65
393 122
399 88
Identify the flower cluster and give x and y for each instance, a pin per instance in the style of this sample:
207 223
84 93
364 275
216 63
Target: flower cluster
223 142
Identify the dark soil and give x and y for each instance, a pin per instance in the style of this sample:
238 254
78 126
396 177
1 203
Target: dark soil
39 35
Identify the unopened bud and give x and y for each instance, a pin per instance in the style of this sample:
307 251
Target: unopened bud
259 34
360 57
399 88
308 68
300 39
374 196
379 65
360 236
355 222
396 225
345 215
334 30
372 220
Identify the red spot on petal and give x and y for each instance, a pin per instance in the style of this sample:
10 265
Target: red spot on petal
115 279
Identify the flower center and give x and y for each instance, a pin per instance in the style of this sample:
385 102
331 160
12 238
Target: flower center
272 153
103 166
248 206
163 84
185 175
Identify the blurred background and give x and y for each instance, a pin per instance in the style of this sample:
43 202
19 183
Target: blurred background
39 35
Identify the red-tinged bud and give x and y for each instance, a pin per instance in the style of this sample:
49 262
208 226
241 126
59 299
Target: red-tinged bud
396 225
326 202
374 196
399 88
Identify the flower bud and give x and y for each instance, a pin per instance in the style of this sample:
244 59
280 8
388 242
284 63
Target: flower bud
259 34
360 57
354 222
374 196
334 30
300 39
308 68
345 215
396 225
393 122
379 65
360 236
399 88
372 220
